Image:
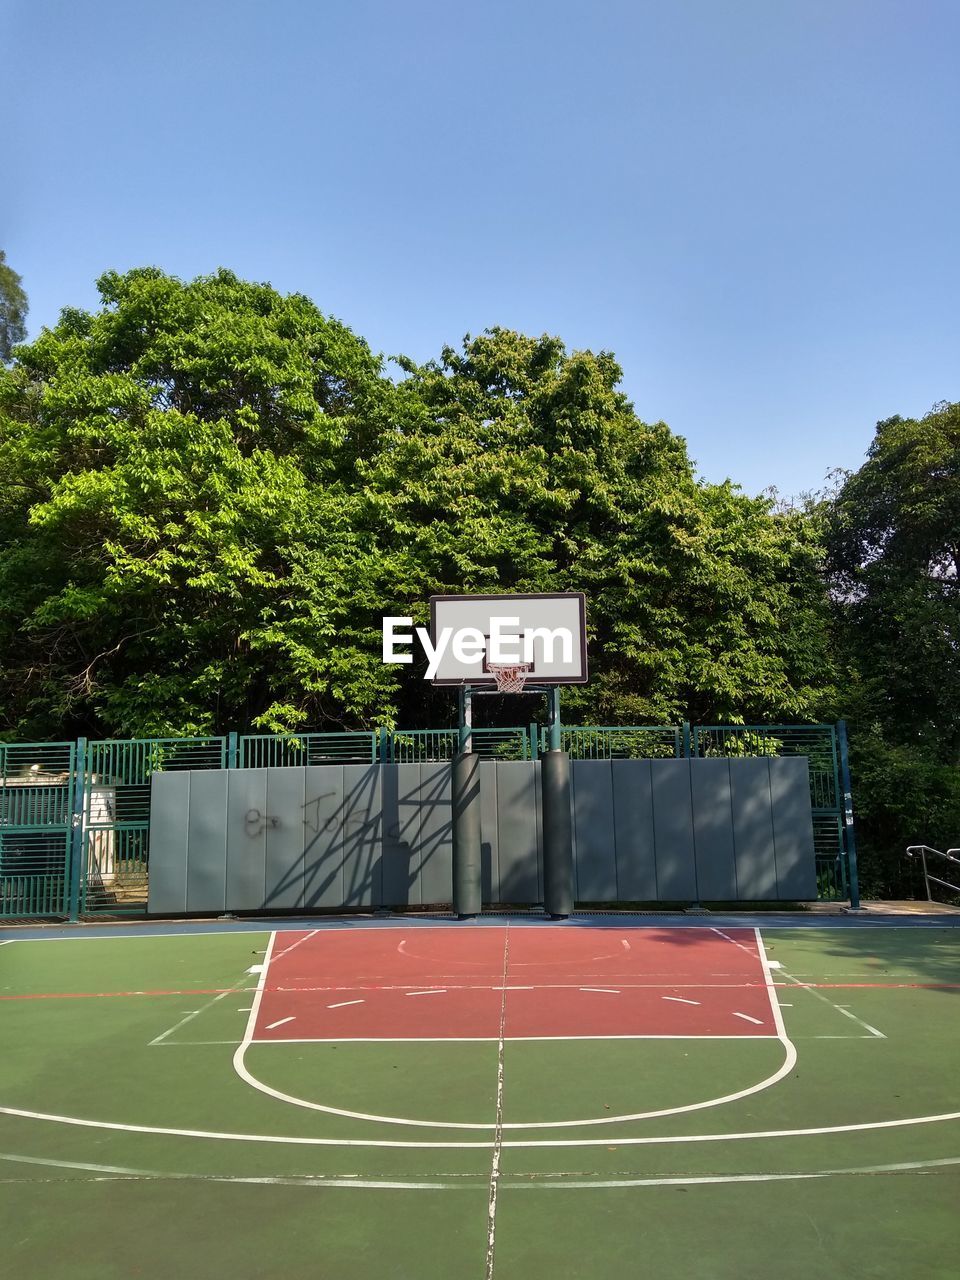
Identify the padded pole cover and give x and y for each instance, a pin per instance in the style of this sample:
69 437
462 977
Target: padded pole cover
467 890
557 833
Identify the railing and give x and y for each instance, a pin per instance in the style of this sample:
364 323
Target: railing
923 850
267 751
609 742
414 746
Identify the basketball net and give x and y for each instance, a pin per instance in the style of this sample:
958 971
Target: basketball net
510 676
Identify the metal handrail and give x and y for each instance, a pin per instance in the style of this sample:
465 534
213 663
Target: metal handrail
923 850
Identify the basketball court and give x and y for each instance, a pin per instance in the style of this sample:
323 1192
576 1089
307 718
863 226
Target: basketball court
500 1099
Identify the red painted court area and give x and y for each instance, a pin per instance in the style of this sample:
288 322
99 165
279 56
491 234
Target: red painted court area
516 981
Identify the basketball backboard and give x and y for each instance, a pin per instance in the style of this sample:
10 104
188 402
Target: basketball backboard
544 632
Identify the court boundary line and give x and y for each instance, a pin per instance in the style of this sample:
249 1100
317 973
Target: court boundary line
508 1143
455 1182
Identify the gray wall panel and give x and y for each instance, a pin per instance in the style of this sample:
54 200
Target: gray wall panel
322 832
633 830
337 836
793 828
283 870
169 821
207 841
753 830
436 833
362 836
246 838
401 835
673 830
713 830
518 786
595 860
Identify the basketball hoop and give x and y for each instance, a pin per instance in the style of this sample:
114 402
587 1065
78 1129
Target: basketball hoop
510 676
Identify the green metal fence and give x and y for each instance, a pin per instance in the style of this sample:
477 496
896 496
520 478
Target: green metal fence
265 751
608 742
37 793
413 746
75 817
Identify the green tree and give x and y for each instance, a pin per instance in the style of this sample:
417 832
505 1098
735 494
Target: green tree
894 545
526 468
13 309
182 542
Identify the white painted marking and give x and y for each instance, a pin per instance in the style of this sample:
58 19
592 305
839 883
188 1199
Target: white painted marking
841 1009
498 1131
440 991
546 1182
245 1009
790 1058
255 968
625 944
283 1140
774 964
282 1021
679 1000
604 991
255 1006
343 1004
195 1013
746 1017
292 947
735 1177
402 946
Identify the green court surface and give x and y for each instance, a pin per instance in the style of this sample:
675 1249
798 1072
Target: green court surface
142 1135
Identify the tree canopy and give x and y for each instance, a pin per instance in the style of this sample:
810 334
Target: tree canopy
212 493
13 309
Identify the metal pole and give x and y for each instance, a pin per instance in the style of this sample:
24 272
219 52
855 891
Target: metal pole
465 702
233 750
848 814
555 718
76 828
558 893
467 878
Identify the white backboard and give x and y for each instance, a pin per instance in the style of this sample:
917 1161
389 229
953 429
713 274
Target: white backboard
547 631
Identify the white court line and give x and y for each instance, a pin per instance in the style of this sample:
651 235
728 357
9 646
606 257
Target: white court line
746 1017
498 1131
513 1144
270 1026
286 951
546 1182
197 1012
440 991
604 991
790 1058
679 1000
805 986
510 1039
343 1004
254 1010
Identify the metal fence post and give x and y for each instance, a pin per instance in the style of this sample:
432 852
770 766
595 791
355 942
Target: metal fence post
76 829
534 740
233 750
848 815
686 739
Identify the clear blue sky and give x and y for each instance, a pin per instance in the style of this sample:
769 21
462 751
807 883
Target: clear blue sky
754 203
